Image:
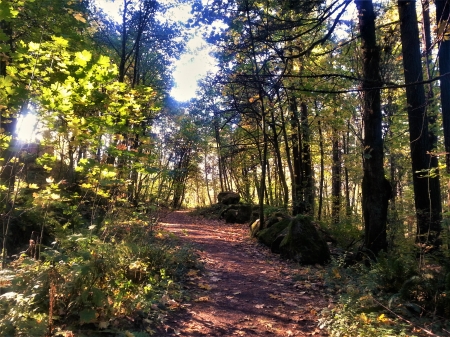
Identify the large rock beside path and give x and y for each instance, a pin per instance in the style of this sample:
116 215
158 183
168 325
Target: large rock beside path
303 243
228 198
238 213
295 238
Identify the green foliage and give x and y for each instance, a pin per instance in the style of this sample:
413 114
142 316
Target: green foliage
346 233
393 296
94 276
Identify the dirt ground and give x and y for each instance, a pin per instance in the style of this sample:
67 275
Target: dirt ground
244 289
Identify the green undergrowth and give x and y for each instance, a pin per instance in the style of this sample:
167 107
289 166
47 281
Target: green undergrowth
120 277
210 212
403 293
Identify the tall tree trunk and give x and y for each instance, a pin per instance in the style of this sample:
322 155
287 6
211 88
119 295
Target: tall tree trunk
277 150
346 148
375 190
256 73
269 185
322 172
297 198
336 178
123 42
219 153
286 144
307 171
443 23
427 196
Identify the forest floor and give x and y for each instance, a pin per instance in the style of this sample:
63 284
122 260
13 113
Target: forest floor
243 289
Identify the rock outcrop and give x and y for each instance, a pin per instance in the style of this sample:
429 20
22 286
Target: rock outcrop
294 238
228 198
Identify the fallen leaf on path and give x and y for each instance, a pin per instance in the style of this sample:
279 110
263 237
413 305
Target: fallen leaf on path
293 304
192 272
259 306
204 286
202 299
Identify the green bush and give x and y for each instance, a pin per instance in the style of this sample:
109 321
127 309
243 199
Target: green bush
94 278
397 295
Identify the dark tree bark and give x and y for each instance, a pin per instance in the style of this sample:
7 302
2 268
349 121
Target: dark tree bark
336 178
443 21
297 198
219 152
263 122
277 149
307 171
375 188
427 197
286 144
345 142
322 172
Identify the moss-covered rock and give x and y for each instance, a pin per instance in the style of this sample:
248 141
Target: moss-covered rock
273 219
239 213
303 243
269 235
228 198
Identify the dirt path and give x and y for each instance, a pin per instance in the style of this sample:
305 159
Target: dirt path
244 290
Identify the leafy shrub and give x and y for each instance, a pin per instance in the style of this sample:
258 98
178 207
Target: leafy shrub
94 278
345 233
391 297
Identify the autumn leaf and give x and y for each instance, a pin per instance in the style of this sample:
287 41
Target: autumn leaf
202 299
191 272
204 286
79 17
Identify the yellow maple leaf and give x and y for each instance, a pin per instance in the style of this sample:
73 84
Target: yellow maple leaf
364 318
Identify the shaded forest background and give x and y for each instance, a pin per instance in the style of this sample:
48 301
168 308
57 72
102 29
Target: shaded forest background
338 110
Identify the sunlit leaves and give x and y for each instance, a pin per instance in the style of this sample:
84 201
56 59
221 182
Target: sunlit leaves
7 11
82 58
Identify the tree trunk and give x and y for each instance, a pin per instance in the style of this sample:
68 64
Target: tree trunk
286 144
322 172
346 148
443 21
307 184
277 150
336 178
219 154
296 153
427 196
375 188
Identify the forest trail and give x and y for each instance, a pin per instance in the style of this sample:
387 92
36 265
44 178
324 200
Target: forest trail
244 289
